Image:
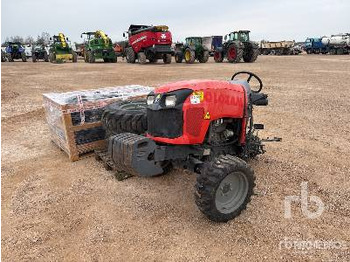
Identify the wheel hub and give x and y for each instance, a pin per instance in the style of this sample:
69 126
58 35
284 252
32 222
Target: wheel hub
231 193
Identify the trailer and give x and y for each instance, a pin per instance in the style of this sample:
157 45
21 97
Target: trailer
212 43
279 48
337 44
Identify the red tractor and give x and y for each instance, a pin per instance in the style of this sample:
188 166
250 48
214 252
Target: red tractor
148 42
205 126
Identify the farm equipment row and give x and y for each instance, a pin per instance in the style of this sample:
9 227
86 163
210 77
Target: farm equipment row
279 48
335 45
151 43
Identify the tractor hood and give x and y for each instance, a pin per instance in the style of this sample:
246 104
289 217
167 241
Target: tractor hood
197 85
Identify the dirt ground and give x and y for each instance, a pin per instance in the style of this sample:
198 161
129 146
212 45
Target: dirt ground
56 210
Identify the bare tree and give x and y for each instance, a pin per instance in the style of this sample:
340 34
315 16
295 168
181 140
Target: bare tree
43 39
16 38
29 40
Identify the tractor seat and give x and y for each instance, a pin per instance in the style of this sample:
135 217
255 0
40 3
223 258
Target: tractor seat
243 83
258 99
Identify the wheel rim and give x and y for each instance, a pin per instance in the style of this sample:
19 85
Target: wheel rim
231 193
232 53
187 55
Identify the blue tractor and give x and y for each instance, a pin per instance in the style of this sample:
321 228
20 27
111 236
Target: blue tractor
315 46
15 50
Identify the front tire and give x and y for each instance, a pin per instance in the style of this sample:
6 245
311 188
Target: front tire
46 57
24 57
190 56
224 188
52 57
130 55
75 57
179 57
91 57
33 58
142 58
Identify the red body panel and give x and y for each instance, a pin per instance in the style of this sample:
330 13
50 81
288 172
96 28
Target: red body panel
148 38
220 99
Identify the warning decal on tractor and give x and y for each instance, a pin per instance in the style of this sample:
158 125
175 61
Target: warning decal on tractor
197 97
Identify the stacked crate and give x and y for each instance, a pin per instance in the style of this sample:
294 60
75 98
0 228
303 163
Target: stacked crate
74 118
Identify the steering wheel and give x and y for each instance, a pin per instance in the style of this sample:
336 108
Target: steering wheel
251 75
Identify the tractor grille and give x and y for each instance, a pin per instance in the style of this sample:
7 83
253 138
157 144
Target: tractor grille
194 118
165 123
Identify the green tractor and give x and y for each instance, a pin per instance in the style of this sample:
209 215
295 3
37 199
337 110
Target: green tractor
98 46
192 50
39 52
60 50
237 46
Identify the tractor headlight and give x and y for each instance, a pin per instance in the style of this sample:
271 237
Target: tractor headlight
150 100
170 101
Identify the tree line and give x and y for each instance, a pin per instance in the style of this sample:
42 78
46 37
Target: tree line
42 39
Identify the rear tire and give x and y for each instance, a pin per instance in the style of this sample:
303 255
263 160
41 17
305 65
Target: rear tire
218 57
224 188
250 54
125 116
142 58
234 53
179 56
167 58
190 56
204 58
130 55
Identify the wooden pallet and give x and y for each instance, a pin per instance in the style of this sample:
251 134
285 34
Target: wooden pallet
68 133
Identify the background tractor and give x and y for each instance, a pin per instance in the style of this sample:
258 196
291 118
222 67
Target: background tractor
15 50
192 50
205 126
39 52
98 46
3 56
61 50
237 46
148 42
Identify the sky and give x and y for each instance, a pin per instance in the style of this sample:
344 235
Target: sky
272 20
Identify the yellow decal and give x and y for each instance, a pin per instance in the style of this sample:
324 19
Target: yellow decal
197 97
207 116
